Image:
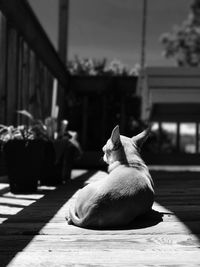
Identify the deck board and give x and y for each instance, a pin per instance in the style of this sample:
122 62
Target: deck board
33 230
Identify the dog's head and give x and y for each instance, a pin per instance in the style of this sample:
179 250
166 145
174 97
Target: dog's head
122 148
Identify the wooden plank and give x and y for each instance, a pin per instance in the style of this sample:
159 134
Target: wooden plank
20 67
47 94
197 138
172 82
3 58
122 113
172 71
105 257
104 117
178 144
25 80
65 243
41 89
61 102
174 95
84 121
38 102
32 85
61 228
12 76
50 90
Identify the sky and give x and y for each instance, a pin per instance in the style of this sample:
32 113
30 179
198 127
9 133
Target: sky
112 28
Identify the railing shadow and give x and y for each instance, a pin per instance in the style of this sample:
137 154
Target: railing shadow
6 229
4 190
179 193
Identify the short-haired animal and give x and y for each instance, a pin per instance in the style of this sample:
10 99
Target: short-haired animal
122 195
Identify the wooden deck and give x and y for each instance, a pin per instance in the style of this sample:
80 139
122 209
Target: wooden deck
33 230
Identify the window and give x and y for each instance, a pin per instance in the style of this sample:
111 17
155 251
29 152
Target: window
188 137
164 136
198 141
168 137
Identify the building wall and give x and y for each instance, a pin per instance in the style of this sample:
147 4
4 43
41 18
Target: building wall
170 85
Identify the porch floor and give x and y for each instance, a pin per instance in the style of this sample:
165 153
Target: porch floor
33 230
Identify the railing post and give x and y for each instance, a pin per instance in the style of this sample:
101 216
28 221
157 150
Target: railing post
178 137
20 79
12 76
122 113
3 58
63 30
25 79
84 121
32 84
197 138
62 50
104 115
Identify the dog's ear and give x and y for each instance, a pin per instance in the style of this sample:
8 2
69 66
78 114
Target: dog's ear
140 138
115 136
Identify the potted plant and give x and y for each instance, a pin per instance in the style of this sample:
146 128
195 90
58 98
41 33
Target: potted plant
24 153
38 153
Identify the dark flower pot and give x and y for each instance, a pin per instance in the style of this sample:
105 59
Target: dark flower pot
57 163
49 174
64 158
3 170
24 160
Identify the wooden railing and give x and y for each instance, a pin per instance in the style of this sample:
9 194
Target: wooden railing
28 64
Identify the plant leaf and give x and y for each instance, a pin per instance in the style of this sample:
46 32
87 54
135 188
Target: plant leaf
3 126
26 113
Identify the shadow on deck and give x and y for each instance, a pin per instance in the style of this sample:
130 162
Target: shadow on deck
12 227
179 193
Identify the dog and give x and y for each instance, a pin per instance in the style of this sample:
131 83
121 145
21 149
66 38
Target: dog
124 194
